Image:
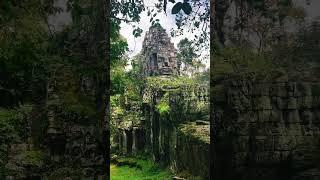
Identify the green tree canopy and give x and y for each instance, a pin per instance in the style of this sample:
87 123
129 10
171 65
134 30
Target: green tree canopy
186 51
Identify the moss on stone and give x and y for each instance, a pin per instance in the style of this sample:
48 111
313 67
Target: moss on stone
33 158
169 83
199 130
65 172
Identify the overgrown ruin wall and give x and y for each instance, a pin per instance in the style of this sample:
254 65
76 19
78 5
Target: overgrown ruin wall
266 130
66 142
158 131
163 136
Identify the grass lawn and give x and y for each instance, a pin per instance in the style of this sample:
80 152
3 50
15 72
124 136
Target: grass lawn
131 168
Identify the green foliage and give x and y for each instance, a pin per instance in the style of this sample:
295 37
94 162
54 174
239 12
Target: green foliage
203 78
186 51
23 45
115 101
169 82
163 107
118 46
119 80
196 18
137 32
9 122
185 6
12 130
202 107
131 116
13 124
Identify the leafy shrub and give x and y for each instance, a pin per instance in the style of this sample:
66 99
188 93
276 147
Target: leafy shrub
12 124
163 106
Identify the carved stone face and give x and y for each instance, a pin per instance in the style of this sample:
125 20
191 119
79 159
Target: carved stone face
160 54
164 66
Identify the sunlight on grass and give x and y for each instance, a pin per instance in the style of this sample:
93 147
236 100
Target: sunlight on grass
137 169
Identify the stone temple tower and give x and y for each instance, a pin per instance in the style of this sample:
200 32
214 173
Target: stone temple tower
159 54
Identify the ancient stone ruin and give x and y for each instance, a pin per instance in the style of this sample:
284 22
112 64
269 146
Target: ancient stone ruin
160 55
174 139
266 129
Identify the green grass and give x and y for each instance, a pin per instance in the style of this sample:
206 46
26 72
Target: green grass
131 168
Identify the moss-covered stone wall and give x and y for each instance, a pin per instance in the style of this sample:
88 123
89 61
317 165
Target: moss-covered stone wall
266 129
173 127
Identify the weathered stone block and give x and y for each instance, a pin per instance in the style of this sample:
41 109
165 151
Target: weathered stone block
291 116
242 144
242 128
218 93
293 129
269 143
260 90
284 143
245 102
259 143
262 103
240 158
315 89
306 130
292 103
267 157
306 142
280 90
304 102
306 117
316 117
284 155
281 103
316 102
276 116
304 89
264 115
291 126
291 89
273 89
